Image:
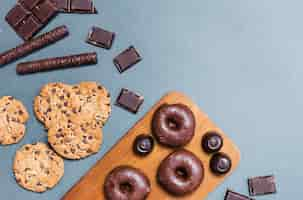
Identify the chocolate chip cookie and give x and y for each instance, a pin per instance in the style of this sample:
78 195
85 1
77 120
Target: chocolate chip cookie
37 167
53 103
91 102
73 139
13 116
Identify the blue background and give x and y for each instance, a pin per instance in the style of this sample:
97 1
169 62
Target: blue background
239 60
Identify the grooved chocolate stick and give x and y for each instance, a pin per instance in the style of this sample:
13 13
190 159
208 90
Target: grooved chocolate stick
57 63
33 45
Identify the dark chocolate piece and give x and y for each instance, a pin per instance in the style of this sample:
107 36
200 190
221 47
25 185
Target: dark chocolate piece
100 37
262 185
76 6
33 45
29 16
56 63
127 59
129 100
143 145
230 195
220 163
212 142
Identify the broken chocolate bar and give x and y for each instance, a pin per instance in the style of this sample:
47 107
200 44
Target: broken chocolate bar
29 16
76 6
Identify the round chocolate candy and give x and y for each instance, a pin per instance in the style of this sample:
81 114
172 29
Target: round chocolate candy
143 144
212 142
220 163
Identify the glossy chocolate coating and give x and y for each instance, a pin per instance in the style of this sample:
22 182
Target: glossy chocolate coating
125 183
212 142
143 144
173 125
180 173
220 163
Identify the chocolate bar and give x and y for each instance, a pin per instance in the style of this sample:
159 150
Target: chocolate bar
262 185
129 100
127 59
33 45
76 6
100 37
230 195
29 16
56 63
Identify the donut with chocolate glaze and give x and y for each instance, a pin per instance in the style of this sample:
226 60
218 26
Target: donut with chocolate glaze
126 183
173 125
180 173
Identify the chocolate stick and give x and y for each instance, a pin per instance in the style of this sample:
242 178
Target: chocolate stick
33 45
56 63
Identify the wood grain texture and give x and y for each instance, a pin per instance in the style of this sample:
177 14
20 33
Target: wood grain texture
90 186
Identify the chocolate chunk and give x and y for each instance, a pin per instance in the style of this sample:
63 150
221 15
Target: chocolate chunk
76 6
127 59
212 142
100 38
262 185
220 163
129 100
143 145
57 63
29 16
230 195
33 45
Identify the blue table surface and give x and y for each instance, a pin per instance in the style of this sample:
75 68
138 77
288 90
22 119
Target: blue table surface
239 60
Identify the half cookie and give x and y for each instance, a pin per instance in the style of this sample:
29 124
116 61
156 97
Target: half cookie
13 116
37 168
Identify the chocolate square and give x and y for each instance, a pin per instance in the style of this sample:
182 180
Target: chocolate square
62 5
81 5
29 4
44 10
16 15
129 100
100 37
262 185
127 59
230 195
28 27
76 6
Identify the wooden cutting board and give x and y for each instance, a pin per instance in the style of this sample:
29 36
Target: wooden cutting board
90 186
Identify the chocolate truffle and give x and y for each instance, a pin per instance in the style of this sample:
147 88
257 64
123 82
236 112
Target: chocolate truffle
212 142
220 163
143 144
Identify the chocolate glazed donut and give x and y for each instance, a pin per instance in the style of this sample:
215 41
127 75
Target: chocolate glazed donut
173 125
180 173
126 183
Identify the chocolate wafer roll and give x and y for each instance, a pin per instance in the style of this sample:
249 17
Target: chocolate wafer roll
57 63
33 45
